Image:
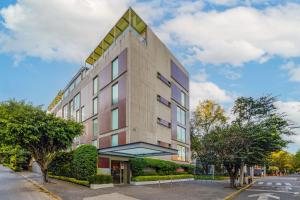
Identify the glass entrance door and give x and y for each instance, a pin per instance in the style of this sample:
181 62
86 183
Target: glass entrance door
119 172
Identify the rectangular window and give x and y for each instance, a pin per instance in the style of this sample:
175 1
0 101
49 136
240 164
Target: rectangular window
77 101
182 98
95 127
114 140
115 93
180 152
95 143
180 134
180 116
115 119
95 85
77 116
115 68
83 117
72 86
95 106
72 113
78 79
65 112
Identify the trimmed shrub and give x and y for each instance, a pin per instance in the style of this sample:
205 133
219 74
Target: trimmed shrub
100 179
72 180
84 163
161 167
61 164
166 177
210 177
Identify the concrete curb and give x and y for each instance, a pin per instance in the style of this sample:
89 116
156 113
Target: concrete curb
234 194
41 187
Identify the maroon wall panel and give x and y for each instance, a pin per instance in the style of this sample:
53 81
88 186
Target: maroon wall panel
122 102
105 142
178 75
122 138
105 76
105 99
123 61
105 121
103 162
176 93
174 122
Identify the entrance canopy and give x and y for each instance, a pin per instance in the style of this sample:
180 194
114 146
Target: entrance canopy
138 149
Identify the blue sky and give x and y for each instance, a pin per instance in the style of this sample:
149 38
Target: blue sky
230 47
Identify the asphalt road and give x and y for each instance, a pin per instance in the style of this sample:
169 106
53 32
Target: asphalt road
15 187
280 188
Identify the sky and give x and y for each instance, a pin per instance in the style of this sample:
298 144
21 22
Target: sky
231 48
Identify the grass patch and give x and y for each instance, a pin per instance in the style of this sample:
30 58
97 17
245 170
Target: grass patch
210 177
72 180
166 177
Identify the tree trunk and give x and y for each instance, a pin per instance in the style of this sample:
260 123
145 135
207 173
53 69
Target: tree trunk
45 174
241 179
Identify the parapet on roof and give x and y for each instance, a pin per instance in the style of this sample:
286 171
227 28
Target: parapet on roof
130 18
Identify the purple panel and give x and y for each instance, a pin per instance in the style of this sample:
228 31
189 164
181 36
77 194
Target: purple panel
163 79
105 99
174 121
179 76
163 101
122 138
163 122
176 93
123 61
105 121
105 76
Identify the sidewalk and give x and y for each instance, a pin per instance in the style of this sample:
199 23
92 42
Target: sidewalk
192 190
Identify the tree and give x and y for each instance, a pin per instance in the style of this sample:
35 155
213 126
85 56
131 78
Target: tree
42 134
296 161
206 117
282 160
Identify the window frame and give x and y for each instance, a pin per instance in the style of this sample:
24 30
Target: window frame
95 106
97 129
181 154
182 98
117 94
95 85
115 71
181 115
117 140
181 133
115 124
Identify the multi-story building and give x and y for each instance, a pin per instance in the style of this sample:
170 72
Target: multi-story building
133 99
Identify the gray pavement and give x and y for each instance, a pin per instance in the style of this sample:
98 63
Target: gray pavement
15 187
283 187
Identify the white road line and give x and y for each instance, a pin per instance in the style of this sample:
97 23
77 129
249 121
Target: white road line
260 183
269 183
276 191
278 183
288 184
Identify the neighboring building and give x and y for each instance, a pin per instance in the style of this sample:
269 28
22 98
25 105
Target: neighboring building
133 99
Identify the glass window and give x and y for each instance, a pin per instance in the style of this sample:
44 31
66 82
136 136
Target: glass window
77 101
114 140
115 95
95 126
115 68
72 86
83 117
95 85
72 113
182 97
181 152
180 115
180 134
78 79
95 106
65 112
95 143
115 119
77 116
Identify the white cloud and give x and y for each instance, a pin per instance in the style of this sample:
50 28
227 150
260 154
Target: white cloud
56 29
292 110
293 71
237 35
208 90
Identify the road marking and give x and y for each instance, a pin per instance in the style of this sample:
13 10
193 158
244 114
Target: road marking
264 196
275 191
288 184
269 183
260 183
278 184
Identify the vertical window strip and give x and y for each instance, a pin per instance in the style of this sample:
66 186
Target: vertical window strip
115 119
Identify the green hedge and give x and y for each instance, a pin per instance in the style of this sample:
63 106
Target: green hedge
100 179
61 164
161 167
84 163
72 180
166 177
210 177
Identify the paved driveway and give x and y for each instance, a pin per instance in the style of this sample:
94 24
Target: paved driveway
15 187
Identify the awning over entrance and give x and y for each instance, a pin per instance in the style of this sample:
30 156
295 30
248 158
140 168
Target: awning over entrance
138 149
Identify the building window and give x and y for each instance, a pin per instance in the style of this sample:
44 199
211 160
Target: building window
180 116
115 93
95 106
77 102
95 85
65 112
78 79
180 134
71 108
115 119
83 116
95 143
180 152
114 140
77 116
95 127
182 98
115 68
72 86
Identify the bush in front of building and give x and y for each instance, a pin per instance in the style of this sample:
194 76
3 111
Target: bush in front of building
61 164
100 179
165 177
72 180
159 167
84 163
